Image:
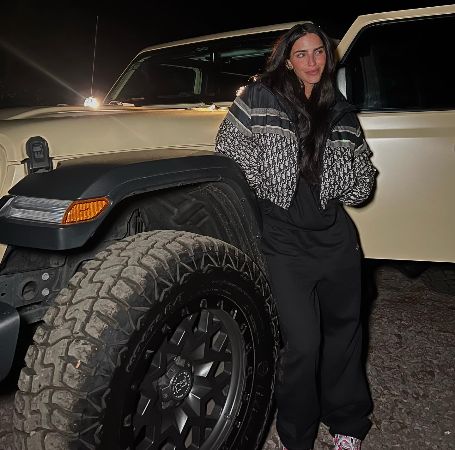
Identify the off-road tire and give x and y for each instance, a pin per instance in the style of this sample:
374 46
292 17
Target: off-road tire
165 340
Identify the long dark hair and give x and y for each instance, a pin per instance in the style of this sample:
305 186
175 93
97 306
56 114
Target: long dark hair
311 115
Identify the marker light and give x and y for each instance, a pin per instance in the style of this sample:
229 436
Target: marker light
83 210
91 102
53 211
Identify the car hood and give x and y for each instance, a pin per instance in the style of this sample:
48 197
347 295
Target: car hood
72 132
29 112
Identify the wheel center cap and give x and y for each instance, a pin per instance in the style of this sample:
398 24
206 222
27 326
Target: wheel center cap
176 383
181 384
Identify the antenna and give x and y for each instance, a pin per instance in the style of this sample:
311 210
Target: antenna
91 101
94 57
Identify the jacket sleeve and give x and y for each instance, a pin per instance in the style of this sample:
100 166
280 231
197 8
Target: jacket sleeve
364 172
235 137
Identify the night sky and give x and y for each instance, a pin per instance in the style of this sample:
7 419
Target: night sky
46 51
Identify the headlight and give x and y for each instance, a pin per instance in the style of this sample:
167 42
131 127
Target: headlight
36 209
53 211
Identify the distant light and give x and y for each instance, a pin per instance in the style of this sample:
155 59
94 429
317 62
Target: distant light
91 102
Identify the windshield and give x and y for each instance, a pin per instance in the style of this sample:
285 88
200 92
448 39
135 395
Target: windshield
194 73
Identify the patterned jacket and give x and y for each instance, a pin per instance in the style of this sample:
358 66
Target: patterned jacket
260 136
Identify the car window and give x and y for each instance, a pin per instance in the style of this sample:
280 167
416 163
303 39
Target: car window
402 65
208 72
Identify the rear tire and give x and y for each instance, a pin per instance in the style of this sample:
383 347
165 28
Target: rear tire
165 340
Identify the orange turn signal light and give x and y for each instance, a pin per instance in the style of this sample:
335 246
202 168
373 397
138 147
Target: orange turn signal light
83 210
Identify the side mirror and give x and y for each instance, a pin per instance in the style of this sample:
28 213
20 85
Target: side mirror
341 80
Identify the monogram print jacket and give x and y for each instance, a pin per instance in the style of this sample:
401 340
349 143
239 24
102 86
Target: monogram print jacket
260 136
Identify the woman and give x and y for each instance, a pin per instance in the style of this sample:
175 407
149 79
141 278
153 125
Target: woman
303 152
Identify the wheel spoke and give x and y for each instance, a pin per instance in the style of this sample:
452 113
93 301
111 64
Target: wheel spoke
202 428
210 355
181 419
146 444
178 338
170 350
184 331
203 369
147 403
196 399
196 353
167 423
220 341
147 387
197 437
169 447
202 353
202 385
205 321
208 422
146 416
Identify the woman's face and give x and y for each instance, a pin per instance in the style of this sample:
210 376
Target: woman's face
307 60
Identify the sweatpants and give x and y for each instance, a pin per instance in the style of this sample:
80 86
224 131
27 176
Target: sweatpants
317 290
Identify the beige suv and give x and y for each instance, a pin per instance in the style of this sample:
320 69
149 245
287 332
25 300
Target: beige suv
406 108
136 245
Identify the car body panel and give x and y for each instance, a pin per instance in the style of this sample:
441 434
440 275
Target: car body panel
409 218
112 132
369 19
119 178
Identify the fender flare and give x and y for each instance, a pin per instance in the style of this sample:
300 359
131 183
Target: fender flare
118 178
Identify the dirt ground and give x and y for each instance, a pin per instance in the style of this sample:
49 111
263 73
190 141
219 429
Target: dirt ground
410 367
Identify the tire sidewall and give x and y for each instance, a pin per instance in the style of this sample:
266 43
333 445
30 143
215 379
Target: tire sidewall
200 289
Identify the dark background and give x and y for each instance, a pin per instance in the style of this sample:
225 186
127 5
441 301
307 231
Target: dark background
46 50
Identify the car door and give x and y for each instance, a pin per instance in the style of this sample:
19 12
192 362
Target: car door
397 73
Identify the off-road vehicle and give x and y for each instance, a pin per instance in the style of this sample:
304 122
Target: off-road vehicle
134 247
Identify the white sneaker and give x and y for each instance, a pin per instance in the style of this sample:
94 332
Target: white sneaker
342 442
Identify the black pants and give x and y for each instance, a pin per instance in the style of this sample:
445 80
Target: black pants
321 377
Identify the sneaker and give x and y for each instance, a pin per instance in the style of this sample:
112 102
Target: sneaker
341 442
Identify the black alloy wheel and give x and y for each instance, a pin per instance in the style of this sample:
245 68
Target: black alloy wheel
165 341
187 382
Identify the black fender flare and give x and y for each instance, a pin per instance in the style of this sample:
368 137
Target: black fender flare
118 176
